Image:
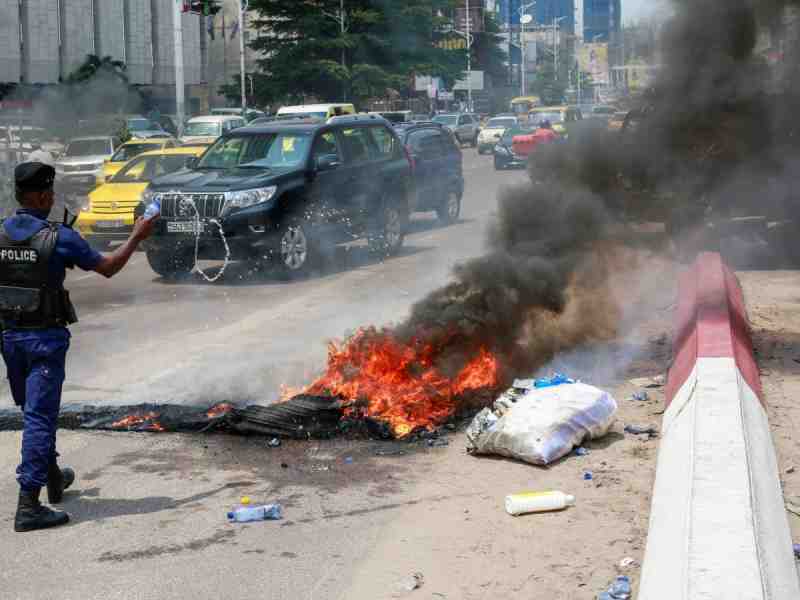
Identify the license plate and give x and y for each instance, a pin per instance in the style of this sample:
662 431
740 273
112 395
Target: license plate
184 227
109 224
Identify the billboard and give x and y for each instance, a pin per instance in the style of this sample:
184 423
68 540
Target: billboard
593 59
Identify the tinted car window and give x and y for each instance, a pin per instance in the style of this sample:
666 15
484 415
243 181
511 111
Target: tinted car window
463 120
286 149
356 144
426 142
325 145
129 151
146 168
384 141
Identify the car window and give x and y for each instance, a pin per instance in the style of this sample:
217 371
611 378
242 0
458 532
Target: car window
269 150
203 128
426 142
356 144
147 168
325 145
463 120
384 140
129 151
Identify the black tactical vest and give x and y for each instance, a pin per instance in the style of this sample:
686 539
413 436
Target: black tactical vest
27 300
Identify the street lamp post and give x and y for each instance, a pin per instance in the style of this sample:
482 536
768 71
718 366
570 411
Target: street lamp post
524 19
243 6
469 60
556 44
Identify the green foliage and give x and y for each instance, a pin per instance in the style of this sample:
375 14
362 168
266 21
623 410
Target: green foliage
383 44
549 88
488 54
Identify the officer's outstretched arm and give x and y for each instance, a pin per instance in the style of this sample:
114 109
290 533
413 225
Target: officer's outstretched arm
113 263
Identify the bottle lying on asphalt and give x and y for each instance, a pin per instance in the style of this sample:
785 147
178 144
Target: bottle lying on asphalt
283 193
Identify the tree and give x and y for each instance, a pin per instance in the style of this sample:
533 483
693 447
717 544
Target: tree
312 48
549 88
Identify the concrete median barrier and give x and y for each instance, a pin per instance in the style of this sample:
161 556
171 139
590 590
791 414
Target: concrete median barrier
718 526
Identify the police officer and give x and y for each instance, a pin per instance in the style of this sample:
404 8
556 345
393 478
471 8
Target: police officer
35 310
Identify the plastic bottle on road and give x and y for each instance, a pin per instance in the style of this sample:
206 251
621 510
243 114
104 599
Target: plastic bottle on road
533 502
247 514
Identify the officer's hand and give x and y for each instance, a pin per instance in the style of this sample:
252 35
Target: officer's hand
143 228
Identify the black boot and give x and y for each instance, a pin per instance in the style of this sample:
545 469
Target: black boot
58 480
31 515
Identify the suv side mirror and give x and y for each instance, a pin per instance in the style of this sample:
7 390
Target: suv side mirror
327 162
191 162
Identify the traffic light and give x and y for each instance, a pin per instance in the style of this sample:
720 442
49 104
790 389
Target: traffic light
202 7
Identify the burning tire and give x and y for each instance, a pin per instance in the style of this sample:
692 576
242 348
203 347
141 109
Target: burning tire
387 237
450 208
171 265
296 254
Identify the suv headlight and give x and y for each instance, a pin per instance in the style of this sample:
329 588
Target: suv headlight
248 198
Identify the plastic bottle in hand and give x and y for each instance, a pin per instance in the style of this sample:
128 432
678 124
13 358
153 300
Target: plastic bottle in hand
245 513
153 209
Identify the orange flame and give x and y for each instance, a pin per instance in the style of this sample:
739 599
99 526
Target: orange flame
399 383
146 422
218 410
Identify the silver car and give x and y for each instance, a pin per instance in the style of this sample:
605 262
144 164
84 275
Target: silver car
80 168
464 126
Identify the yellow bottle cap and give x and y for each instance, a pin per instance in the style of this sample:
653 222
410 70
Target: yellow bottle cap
245 500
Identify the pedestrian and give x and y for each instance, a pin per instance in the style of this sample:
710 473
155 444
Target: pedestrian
35 310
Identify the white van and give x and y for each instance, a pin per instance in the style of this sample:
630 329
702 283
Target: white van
207 129
316 111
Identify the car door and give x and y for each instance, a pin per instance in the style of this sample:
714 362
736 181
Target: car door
448 165
359 175
330 178
423 168
463 128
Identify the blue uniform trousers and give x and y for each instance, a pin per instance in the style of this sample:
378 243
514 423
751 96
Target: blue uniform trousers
35 362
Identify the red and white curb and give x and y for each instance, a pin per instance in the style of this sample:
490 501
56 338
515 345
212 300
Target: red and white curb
718 526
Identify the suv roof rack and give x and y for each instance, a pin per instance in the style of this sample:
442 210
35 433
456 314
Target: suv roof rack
344 119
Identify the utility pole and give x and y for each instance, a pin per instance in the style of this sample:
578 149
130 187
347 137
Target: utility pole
556 44
243 6
469 60
524 19
179 85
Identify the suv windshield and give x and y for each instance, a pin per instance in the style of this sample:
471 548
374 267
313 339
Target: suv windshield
265 151
446 119
203 128
498 123
303 115
553 117
129 151
88 148
146 168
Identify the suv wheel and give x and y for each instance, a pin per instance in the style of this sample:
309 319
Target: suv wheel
387 238
296 253
450 208
171 264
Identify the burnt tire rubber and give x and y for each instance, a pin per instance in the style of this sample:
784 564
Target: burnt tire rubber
171 265
386 238
296 254
450 208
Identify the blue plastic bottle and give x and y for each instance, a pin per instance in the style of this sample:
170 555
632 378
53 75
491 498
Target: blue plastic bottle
247 514
153 209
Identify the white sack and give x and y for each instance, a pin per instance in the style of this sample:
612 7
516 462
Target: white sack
542 425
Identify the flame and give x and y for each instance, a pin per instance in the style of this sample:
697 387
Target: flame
399 383
218 410
146 422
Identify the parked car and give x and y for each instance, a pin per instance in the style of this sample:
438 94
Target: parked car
250 114
109 214
80 168
208 128
504 157
436 163
132 149
143 128
464 126
315 111
493 131
283 193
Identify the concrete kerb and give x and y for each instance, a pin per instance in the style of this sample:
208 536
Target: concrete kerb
718 526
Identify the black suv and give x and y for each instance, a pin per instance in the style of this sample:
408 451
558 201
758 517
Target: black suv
284 192
436 161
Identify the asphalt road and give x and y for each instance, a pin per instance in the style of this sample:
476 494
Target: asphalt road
144 339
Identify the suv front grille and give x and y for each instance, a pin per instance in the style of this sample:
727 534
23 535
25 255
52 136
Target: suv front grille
208 205
76 168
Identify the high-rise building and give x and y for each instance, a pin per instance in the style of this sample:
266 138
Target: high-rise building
602 21
544 12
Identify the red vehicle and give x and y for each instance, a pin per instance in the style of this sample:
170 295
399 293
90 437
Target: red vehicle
525 145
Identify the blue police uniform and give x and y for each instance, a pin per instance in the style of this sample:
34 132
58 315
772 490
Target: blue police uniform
35 357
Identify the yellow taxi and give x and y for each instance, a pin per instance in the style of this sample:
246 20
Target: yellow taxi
132 149
109 214
559 117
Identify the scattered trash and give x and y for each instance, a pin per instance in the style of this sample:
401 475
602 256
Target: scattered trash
627 562
348 460
581 451
247 514
619 590
789 471
637 430
541 425
641 396
796 548
274 443
588 475
556 379
284 466
534 502
438 442
244 501
409 584
648 382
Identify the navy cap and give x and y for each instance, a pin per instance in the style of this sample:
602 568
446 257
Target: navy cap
34 177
